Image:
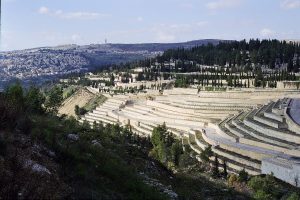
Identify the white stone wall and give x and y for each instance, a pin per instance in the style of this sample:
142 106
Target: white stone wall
273 133
286 170
292 126
265 121
273 116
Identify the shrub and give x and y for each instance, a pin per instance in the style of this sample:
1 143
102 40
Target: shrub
232 179
262 195
54 99
206 154
243 176
186 160
9 113
23 125
34 100
264 185
293 196
80 111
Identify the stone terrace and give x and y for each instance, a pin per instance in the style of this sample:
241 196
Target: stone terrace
245 127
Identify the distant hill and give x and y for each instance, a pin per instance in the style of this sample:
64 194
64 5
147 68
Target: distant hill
44 63
153 47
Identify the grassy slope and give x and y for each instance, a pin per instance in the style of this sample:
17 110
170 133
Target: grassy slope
94 102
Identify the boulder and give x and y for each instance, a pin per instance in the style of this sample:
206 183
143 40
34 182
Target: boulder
73 137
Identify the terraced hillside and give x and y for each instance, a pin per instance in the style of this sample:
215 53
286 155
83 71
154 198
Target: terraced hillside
253 130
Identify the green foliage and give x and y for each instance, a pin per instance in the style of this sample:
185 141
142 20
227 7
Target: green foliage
236 53
69 90
23 124
80 111
16 106
243 176
262 195
181 82
165 148
9 113
176 151
34 100
54 99
89 167
209 88
216 172
186 160
206 154
264 187
14 94
86 125
94 102
293 196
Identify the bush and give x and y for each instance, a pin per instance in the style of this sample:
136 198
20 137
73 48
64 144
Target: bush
232 179
34 100
264 186
80 111
186 160
262 195
243 176
23 125
206 154
9 113
294 196
54 99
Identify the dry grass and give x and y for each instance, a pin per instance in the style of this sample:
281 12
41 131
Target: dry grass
80 98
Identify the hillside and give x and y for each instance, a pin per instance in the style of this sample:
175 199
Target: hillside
156 47
46 63
272 54
47 157
80 98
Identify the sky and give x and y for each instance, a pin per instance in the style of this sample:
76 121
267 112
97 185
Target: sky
37 23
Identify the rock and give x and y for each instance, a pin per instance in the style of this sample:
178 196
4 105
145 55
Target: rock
73 137
35 167
39 168
159 186
96 143
51 154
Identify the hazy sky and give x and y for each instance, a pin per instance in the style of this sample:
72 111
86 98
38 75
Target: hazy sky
34 23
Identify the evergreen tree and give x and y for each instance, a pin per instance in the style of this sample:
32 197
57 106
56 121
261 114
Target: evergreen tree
225 174
216 171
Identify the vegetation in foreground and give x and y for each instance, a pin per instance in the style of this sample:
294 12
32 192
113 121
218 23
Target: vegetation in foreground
70 160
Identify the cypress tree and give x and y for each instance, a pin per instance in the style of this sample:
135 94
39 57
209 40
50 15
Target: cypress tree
225 174
216 167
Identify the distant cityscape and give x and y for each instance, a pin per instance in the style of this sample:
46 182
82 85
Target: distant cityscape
29 64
